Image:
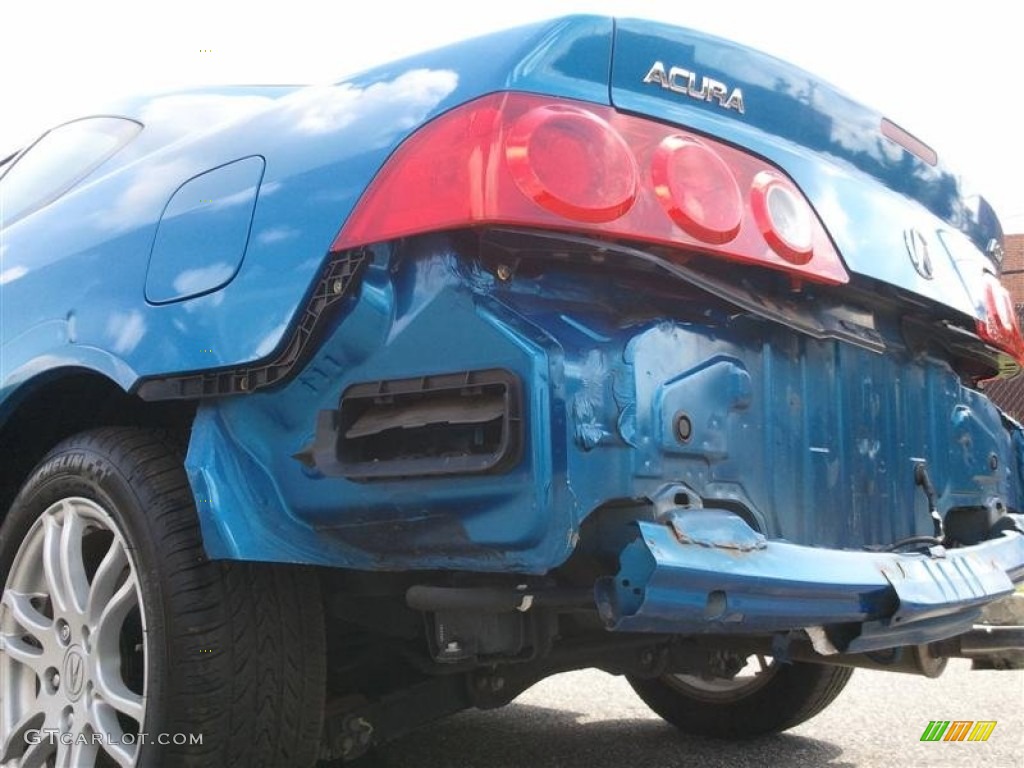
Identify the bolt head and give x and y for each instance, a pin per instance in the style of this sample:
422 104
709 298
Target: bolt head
684 428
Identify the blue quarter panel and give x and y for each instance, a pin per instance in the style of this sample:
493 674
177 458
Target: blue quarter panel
85 257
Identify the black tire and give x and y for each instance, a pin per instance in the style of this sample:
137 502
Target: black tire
233 651
792 694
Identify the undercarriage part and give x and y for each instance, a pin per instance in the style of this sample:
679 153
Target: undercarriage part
463 636
353 725
910 659
971 525
423 597
459 636
998 642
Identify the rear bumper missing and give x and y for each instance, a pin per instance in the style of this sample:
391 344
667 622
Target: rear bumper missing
706 571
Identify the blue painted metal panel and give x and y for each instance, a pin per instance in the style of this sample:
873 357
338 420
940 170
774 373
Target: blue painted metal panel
818 439
202 235
670 583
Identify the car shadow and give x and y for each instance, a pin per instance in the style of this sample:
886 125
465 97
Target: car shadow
541 737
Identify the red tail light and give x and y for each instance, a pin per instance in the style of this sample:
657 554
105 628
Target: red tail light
572 163
697 189
1000 327
533 161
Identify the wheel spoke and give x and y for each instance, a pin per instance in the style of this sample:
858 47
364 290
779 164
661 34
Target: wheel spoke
109 685
36 755
19 650
83 752
76 582
27 615
108 625
105 721
762 663
63 759
51 563
115 693
14 743
105 580
123 754
62 560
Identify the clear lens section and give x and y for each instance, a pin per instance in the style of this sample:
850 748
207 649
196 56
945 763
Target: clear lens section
790 217
784 217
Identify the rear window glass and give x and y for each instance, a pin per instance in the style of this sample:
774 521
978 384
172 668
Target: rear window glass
60 159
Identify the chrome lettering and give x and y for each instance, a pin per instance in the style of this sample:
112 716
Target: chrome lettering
679 80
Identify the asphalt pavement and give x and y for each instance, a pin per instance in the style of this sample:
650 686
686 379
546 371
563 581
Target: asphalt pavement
593 720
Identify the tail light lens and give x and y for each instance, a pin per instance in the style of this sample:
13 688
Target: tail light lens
533 161
784 217
697 189
999 326
572 163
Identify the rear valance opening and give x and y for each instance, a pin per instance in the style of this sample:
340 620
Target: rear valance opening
452 424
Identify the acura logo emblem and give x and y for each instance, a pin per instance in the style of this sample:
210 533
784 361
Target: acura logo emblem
74 673
917 248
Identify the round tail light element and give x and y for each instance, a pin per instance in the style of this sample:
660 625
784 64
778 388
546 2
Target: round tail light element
697 190
784 217
572 163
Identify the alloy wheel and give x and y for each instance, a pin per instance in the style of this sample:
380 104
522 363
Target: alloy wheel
72 644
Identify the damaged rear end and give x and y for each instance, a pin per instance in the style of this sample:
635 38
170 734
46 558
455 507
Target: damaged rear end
879 505
655 384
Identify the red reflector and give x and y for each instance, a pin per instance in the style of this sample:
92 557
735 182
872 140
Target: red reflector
1000 327
697 189
539 162
572 162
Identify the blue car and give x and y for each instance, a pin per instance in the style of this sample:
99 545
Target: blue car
328 412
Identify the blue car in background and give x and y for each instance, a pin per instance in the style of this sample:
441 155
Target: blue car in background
327 412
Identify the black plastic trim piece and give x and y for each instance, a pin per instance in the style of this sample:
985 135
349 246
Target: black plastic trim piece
339 279
424 402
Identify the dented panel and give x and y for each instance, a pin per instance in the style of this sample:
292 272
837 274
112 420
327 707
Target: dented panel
702 583
814 441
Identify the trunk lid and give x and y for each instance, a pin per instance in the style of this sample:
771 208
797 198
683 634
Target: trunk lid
895 213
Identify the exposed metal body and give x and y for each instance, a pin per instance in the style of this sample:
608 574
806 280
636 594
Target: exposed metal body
706 448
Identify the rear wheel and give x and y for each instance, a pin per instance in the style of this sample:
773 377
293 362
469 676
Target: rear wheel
121 644
765 697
